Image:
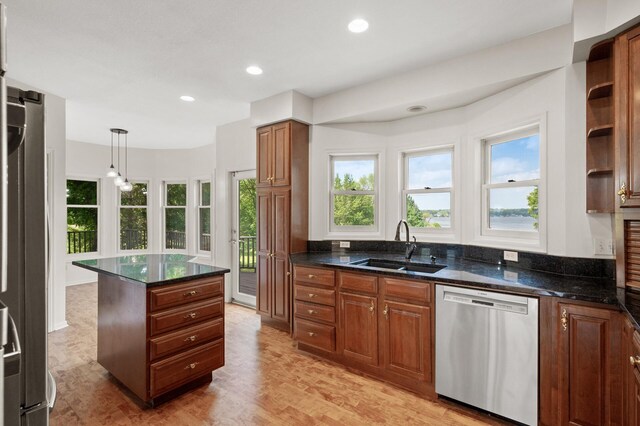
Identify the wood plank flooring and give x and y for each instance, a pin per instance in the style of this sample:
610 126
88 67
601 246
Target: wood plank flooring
266 381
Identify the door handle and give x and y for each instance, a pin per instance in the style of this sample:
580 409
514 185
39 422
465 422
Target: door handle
12 359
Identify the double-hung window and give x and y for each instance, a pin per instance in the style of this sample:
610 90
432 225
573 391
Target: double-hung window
82 216
428 190
354 193
511 181
175 216
133 217
204 216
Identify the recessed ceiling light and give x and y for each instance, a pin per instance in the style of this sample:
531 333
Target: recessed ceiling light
417 108
358 26
254 70
187 98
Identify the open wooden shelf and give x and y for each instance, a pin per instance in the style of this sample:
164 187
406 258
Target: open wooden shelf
601 50
601 90
599 171
603 130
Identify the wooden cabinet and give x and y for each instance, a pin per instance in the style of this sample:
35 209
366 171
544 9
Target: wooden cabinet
159 339
588 358
631 369
282 215
627 116
600 147
315 312
358 328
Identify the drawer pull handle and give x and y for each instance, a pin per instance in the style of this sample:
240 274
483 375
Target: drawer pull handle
386 311
311 276
311 334
191 366
634 360
191 338
311 311
191 315
312 295
564 321
191 293
372 307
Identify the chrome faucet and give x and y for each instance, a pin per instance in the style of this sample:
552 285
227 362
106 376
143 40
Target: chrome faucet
409 247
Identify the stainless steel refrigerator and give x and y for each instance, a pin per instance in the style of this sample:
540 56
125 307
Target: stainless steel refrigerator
28 387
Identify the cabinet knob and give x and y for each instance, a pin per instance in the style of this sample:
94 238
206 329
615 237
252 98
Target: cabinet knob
312 295
622 192
311 334
311 276
311 311
191 338
191 293
634 360
191 315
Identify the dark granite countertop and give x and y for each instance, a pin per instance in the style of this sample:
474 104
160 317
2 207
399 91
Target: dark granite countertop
478 274
152 269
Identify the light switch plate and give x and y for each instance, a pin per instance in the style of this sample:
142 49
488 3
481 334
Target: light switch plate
602 246
345 244
511 255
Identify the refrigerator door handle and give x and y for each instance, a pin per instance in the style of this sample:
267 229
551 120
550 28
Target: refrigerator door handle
13 352
52 390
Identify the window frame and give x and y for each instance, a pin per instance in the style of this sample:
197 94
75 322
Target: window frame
98 181
163 229
336 229
406 155
200 206
147 207
507 136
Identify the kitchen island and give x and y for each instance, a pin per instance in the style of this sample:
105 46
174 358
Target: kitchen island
160 322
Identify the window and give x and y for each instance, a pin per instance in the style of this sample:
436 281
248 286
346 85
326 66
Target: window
511 179
204 216
133 217
428 188
175 216
354 190
82 216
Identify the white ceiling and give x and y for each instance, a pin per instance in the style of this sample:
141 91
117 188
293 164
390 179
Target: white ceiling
123 63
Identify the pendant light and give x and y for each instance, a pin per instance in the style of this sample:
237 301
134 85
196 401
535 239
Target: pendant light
118 181
126 186
111 171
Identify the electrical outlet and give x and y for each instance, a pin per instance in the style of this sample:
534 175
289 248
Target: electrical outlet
345 244
511 255
602 246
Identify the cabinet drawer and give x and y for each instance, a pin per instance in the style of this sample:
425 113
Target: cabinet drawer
186 338
179 294
316 312
318 335
318 276
315 295
415 291
186 315
183 368
359 283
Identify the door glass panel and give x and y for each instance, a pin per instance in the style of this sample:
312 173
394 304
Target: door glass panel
246 242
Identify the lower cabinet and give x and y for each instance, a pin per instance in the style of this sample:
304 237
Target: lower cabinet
358 328
631 363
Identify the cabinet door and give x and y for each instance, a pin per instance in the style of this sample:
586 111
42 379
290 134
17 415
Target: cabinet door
627 86
264 150
263 301
358 328
281 200
281 166
634 413
406 340
588 366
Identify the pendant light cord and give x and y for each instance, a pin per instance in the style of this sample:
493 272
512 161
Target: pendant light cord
118 153
111 149
126 158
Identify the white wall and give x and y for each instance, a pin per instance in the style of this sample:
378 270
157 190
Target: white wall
85 160
235 151
556 97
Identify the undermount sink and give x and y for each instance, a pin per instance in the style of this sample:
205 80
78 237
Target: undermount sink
395 265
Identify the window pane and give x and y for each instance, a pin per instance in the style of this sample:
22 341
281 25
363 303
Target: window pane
351 210
82 229
205 229
176 194
356 175
429 210
133 229
82 192
514 209
205 193
136 197
429 171
516 160
175 235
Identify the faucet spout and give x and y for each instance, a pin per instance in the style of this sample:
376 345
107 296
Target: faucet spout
409 248
406 227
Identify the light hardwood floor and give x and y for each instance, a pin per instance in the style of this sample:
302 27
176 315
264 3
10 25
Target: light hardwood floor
265 381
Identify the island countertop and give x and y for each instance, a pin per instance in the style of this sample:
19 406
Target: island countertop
152 269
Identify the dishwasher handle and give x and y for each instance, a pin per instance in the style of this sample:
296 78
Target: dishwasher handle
486 302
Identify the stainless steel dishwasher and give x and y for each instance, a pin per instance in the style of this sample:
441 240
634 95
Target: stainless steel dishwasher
487 351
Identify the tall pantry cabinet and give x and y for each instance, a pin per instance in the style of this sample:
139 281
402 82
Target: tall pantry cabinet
282 214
